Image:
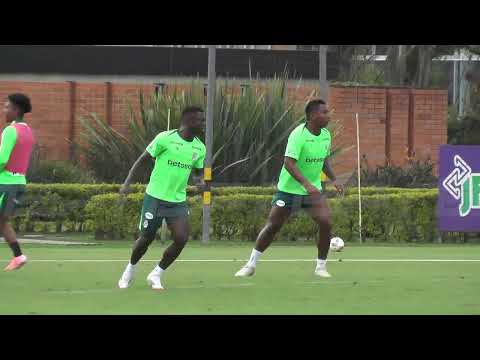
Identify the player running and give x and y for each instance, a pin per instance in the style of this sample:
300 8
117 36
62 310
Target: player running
300 187
176 153
15 150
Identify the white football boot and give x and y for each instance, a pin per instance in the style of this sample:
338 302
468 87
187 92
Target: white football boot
245 271
153 279
322 272
126 279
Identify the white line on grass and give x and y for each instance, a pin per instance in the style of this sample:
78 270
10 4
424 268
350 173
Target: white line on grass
213 287
263 260
341 282
90 291
363 282
83 291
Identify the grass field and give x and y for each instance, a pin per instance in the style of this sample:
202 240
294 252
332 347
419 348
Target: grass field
425 279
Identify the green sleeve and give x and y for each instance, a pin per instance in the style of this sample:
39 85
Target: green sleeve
157 146
9 139
329 151
294 145
199 164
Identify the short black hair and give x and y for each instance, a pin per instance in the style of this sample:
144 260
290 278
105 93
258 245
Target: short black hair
191 110
312 106
21 101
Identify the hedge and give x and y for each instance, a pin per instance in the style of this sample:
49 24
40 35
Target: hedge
111 217
79 191
405 217
61 207
85 191
397 217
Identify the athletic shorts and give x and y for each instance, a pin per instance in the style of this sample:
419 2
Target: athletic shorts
293 202
155 210
10 196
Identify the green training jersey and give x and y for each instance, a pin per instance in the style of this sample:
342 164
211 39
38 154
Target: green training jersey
15 149
174 160
310 151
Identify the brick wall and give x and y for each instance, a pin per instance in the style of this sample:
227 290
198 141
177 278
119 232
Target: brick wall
394 122
371 108
53 103
50 119
430 122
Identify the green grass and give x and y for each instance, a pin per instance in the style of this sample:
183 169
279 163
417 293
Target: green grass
277 288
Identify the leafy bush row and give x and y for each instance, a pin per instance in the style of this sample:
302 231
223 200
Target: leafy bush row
82 191
401 217
61 207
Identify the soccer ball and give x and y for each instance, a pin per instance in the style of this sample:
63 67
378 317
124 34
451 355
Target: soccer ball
336 244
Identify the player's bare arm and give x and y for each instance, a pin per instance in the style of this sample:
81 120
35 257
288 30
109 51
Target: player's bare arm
125 187
198 180
327 169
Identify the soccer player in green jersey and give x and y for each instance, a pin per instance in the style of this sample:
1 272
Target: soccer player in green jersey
300 187
176 153
15 150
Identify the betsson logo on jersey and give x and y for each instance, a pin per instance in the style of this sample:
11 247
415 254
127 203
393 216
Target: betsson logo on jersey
179 164
314 160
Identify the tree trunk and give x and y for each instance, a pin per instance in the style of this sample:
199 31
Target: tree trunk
466 89
424 66
322 76
402 64
345 53
396 64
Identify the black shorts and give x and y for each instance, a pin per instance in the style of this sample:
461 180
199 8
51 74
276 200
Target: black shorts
10 196
293 202
155 210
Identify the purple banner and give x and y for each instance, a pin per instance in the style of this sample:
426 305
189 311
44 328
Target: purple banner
459 188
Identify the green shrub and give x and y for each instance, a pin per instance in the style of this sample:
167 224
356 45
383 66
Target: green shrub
401 217
241 215
464 130
113 217
252 190
79 191
62 206
415 174
48 172
329 190
396 217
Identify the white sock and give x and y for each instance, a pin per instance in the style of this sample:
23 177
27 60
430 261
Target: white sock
130 267
321 263
158 270
253 258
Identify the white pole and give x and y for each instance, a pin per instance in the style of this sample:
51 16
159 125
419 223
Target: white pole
359 179
455 82
168 120
163 231
322 56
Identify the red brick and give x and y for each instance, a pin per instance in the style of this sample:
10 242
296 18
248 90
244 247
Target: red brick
51 102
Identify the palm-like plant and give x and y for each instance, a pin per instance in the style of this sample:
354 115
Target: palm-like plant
250 131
